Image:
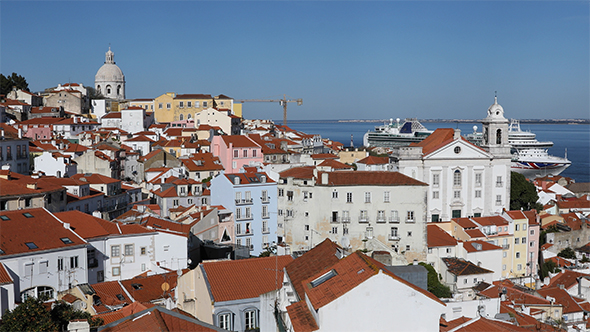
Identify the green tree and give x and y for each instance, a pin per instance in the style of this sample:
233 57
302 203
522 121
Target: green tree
567 253
548 266
33 315
8 82
523 194
434 284
93 94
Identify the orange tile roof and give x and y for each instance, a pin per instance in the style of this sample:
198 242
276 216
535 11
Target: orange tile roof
485 246
301 318
482 324
368 178
95 178
312 262
42 229
245 278
373 160
491 220
107 292
568 302
303 172
5 278
461 267
334 164
149 288
159 319
567 278
324 156
239 141
474 233
437 237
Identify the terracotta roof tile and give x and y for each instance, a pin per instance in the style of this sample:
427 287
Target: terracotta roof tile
245 278
301 318
368 178
41 230
462 267
437 237
5 278
478 245
146 289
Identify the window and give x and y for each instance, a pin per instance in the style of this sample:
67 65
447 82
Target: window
129 250
73 262
367 197
197 104
381 216
435 218
115 251
334 195
238 228
524 227
344 230
386 197
60 264
478 179
503 267
8 153
457 194
504 254
116 271
43 267
204 104
289 195
456 214
348 197
410 216
436 180
334 229
189 104
175 203
364 216
265 211
478 194
516 226
457 178
516 240
532 244
181 104
499 181
532 232
249 243
281 192
236 153
519 267
435 195
393 231
254 153
394 216
248 212
517 254
407 247
499 136
245 153
224 321
498 199
523 240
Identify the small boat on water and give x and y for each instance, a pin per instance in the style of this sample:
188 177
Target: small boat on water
395 134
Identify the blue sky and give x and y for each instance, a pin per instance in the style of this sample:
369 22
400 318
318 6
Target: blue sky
347 60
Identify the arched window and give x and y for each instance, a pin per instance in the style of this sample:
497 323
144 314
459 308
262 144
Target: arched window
108 89
188 116
118 90
98 89
225 320
499 136
181 117
457 178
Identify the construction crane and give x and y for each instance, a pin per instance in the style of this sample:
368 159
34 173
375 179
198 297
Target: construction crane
283 102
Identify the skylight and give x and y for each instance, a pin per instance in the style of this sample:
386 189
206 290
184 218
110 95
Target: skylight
120 297
323 278
66 240
2 252
28 215
3 217
31 245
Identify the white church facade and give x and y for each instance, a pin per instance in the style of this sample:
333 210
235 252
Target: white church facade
464 179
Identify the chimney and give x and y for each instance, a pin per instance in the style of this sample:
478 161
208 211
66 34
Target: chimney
66 225
457 134
20 132
32 185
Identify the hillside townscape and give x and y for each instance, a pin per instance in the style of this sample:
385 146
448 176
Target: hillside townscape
177 212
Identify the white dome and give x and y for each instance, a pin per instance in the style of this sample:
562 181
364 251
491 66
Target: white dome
495 110
109 72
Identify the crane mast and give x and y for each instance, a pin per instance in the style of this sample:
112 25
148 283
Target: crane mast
283 102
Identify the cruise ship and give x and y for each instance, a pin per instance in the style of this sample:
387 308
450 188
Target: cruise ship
530 157
395 134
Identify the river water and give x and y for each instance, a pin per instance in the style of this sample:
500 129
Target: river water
575 138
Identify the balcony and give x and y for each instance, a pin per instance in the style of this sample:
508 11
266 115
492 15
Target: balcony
410 220
265 200
363 219
505 246
393 238
393 220
345 219
243 201
380 220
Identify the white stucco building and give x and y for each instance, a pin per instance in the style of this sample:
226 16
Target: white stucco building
359 210
55 164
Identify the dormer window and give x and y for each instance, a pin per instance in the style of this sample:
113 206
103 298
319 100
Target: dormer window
31 245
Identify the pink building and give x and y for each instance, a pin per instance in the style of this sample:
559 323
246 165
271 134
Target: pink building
236 151
39 128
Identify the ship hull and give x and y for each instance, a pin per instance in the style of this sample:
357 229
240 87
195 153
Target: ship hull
532 169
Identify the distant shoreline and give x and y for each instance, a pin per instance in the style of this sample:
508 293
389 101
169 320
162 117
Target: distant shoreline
532 121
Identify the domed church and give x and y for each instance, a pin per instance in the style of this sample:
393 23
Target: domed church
109 80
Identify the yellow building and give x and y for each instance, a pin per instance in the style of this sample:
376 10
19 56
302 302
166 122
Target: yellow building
171 107
146 104
520 251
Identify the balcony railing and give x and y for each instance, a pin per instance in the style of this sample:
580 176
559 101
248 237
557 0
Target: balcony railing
364 219
265 199
394 237
393 219
242 201
345 219
380 219
505 246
